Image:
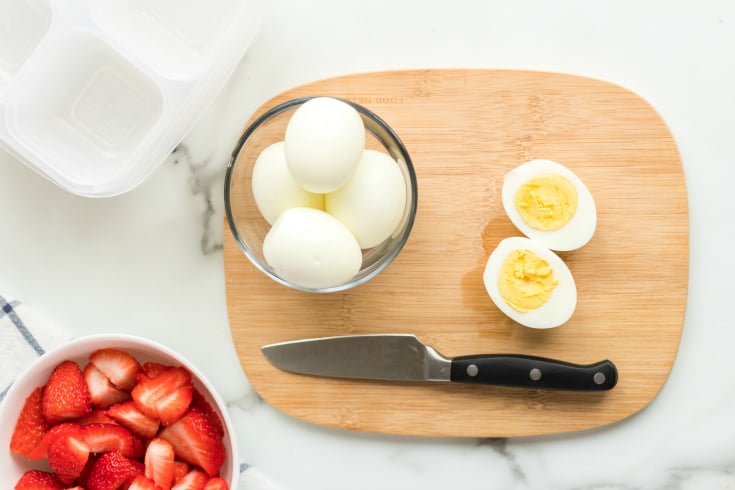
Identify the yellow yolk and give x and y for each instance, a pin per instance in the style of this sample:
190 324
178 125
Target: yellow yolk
546 202
525 281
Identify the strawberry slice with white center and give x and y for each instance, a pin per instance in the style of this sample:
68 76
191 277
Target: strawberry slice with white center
129 416
66 429
195 439
101 390
163 390
118 366
194 480
159 463
103 438
67 457
66 395
141 482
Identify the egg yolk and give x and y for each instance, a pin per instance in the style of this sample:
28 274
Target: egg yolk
526 281
547 202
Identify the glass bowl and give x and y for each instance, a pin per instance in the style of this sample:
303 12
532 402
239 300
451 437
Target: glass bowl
249 227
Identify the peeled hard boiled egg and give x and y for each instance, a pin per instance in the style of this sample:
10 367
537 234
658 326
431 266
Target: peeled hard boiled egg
312 249
274 189
547 202
371 203
530 283
324 138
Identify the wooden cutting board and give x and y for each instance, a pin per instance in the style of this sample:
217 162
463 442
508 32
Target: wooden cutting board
464 129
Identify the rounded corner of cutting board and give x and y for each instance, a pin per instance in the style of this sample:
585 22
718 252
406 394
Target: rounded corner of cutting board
617 143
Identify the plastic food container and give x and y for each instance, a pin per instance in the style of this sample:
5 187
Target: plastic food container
94 94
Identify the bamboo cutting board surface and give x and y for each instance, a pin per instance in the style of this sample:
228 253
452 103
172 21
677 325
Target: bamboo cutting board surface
464 129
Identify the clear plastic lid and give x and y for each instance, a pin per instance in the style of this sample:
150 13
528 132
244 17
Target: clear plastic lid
94 94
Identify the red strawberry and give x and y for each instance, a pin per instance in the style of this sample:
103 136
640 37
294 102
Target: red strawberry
180 471
30 426
198 400
101 390
195 440
153 369
75 488
102 438
141 482
96 417
38 480
172 406
159 463
68 429
111 471
216 483
149 391
67 457
120 367
66 395
129 416
194 480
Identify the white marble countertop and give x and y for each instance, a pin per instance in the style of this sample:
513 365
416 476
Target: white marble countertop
150 262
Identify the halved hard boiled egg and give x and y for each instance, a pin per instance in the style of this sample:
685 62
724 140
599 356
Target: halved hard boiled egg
548 202
530 283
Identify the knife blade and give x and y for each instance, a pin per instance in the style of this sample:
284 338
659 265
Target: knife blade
403 357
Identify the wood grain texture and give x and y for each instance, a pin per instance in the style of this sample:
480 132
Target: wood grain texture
464 129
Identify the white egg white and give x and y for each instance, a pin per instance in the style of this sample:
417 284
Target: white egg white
312 249
274 188
562 301
324 139
571 236
372 202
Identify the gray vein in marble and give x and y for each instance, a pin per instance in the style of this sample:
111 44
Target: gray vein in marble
201 184
500 446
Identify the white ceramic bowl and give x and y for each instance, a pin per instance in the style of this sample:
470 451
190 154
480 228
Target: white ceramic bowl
13 466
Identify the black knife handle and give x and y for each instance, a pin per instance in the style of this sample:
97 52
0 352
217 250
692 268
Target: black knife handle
533 372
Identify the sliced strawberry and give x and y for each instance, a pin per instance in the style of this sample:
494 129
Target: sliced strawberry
148 391
67 457
67 429
111 471
75 488
159 463
102 438
96 417
30 426
198 400
129 416
194 480
120 367
101 390
173 405
195 439
66 396
153 369
38 480
180 471
141 482
216 483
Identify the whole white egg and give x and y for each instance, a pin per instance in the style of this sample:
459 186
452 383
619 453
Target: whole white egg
275 189
372 202
312 249
324 139
530 283
548 202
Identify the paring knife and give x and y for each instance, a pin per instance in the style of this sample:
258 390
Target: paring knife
402 357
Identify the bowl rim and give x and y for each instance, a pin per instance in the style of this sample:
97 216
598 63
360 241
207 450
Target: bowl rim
91 342
364 112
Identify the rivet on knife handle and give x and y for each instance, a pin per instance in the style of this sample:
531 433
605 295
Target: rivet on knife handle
533 372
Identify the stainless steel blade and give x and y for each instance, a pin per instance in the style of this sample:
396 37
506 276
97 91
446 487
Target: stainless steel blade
396 357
